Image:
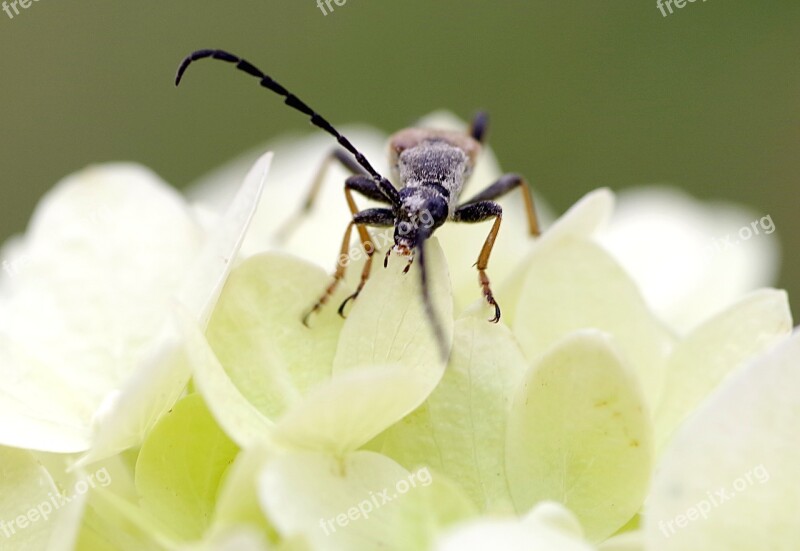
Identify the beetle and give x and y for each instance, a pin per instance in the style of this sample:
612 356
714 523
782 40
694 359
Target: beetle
432 167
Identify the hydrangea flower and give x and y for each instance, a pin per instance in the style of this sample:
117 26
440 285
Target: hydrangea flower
90 356
597 415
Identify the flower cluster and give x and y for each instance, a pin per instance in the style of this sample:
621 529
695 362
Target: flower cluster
631 379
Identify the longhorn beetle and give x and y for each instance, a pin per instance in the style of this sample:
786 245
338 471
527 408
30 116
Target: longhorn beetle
431 167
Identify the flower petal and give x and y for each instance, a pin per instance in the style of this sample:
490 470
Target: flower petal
533 532
352 408
332 501
728 480
240 419
389 323
460 429
580 221
434 504
716 348
627 541
35 410
180 466
163 373
237 500
574 284
584 218
30 517
258 335
113 521
579 434
95 283
555 515
690 259
241 539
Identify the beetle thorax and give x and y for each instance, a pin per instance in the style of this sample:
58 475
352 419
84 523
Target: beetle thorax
434 163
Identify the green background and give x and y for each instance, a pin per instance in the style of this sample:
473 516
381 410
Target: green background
582 93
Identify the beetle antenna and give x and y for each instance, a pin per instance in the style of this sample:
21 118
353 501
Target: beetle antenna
428 302
293 101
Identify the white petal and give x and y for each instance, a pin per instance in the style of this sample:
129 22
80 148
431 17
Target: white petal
237 498
201 291
305 493
354 407
555 515
105 251
575 284
233 412
581 221
258 335
715 349
163 374
180 467
689 258
460 429
35 410
32 515
509 535
389 323
627 541
387 362
579 433
241 539
729 479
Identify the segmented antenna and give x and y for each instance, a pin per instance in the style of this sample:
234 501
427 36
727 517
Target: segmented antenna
293 101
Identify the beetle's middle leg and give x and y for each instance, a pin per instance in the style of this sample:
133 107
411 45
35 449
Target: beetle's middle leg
478 212
482 207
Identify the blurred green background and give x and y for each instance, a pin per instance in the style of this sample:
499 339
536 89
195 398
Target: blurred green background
582 93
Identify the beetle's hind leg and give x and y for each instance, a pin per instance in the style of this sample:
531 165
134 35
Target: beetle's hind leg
505 184
335 156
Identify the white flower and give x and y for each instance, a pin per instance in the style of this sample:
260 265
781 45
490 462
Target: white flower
85 316
691 259
729 481
544 431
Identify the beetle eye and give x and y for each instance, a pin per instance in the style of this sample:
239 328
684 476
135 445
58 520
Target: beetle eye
436 211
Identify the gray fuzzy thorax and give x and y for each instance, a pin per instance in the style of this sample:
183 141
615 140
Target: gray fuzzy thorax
435 161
